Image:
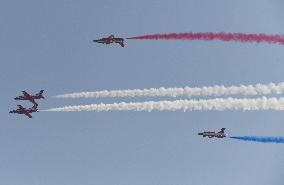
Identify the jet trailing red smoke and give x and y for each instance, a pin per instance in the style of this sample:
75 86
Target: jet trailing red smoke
240 37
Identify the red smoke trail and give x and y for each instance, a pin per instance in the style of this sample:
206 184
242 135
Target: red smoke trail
241 37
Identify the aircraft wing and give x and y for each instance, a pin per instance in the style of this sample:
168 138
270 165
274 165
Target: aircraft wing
25 94
20 107
33 101
28 114
119 41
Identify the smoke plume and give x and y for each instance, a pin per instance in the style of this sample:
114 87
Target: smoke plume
259 89
261 139
240 37
219 104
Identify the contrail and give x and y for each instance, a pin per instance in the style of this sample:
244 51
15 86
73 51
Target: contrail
185 105
241 37
261 139
259 89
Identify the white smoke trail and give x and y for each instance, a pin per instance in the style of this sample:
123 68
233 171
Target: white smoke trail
259 89
185 105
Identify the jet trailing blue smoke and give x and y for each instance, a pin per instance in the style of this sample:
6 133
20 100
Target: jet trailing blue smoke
261 139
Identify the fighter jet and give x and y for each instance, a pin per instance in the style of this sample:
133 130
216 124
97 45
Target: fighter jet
27 112
31 98
219 134
110 39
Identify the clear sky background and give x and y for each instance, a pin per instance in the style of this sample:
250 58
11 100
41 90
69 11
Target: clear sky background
48 45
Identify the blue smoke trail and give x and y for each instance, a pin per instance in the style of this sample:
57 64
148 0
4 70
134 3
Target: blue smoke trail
261 139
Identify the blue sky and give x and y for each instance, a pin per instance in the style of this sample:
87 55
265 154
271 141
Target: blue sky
48 45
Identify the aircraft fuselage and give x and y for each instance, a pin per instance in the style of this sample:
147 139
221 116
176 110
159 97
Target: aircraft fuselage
220 134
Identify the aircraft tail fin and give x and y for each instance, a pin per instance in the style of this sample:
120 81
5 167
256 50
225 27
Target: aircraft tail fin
34 107
222 130
40 94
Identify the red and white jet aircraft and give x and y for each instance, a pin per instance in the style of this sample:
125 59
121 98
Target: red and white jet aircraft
219 134
110 39
27 112
31 98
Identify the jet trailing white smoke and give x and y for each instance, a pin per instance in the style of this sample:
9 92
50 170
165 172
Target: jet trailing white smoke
185 105
259 89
